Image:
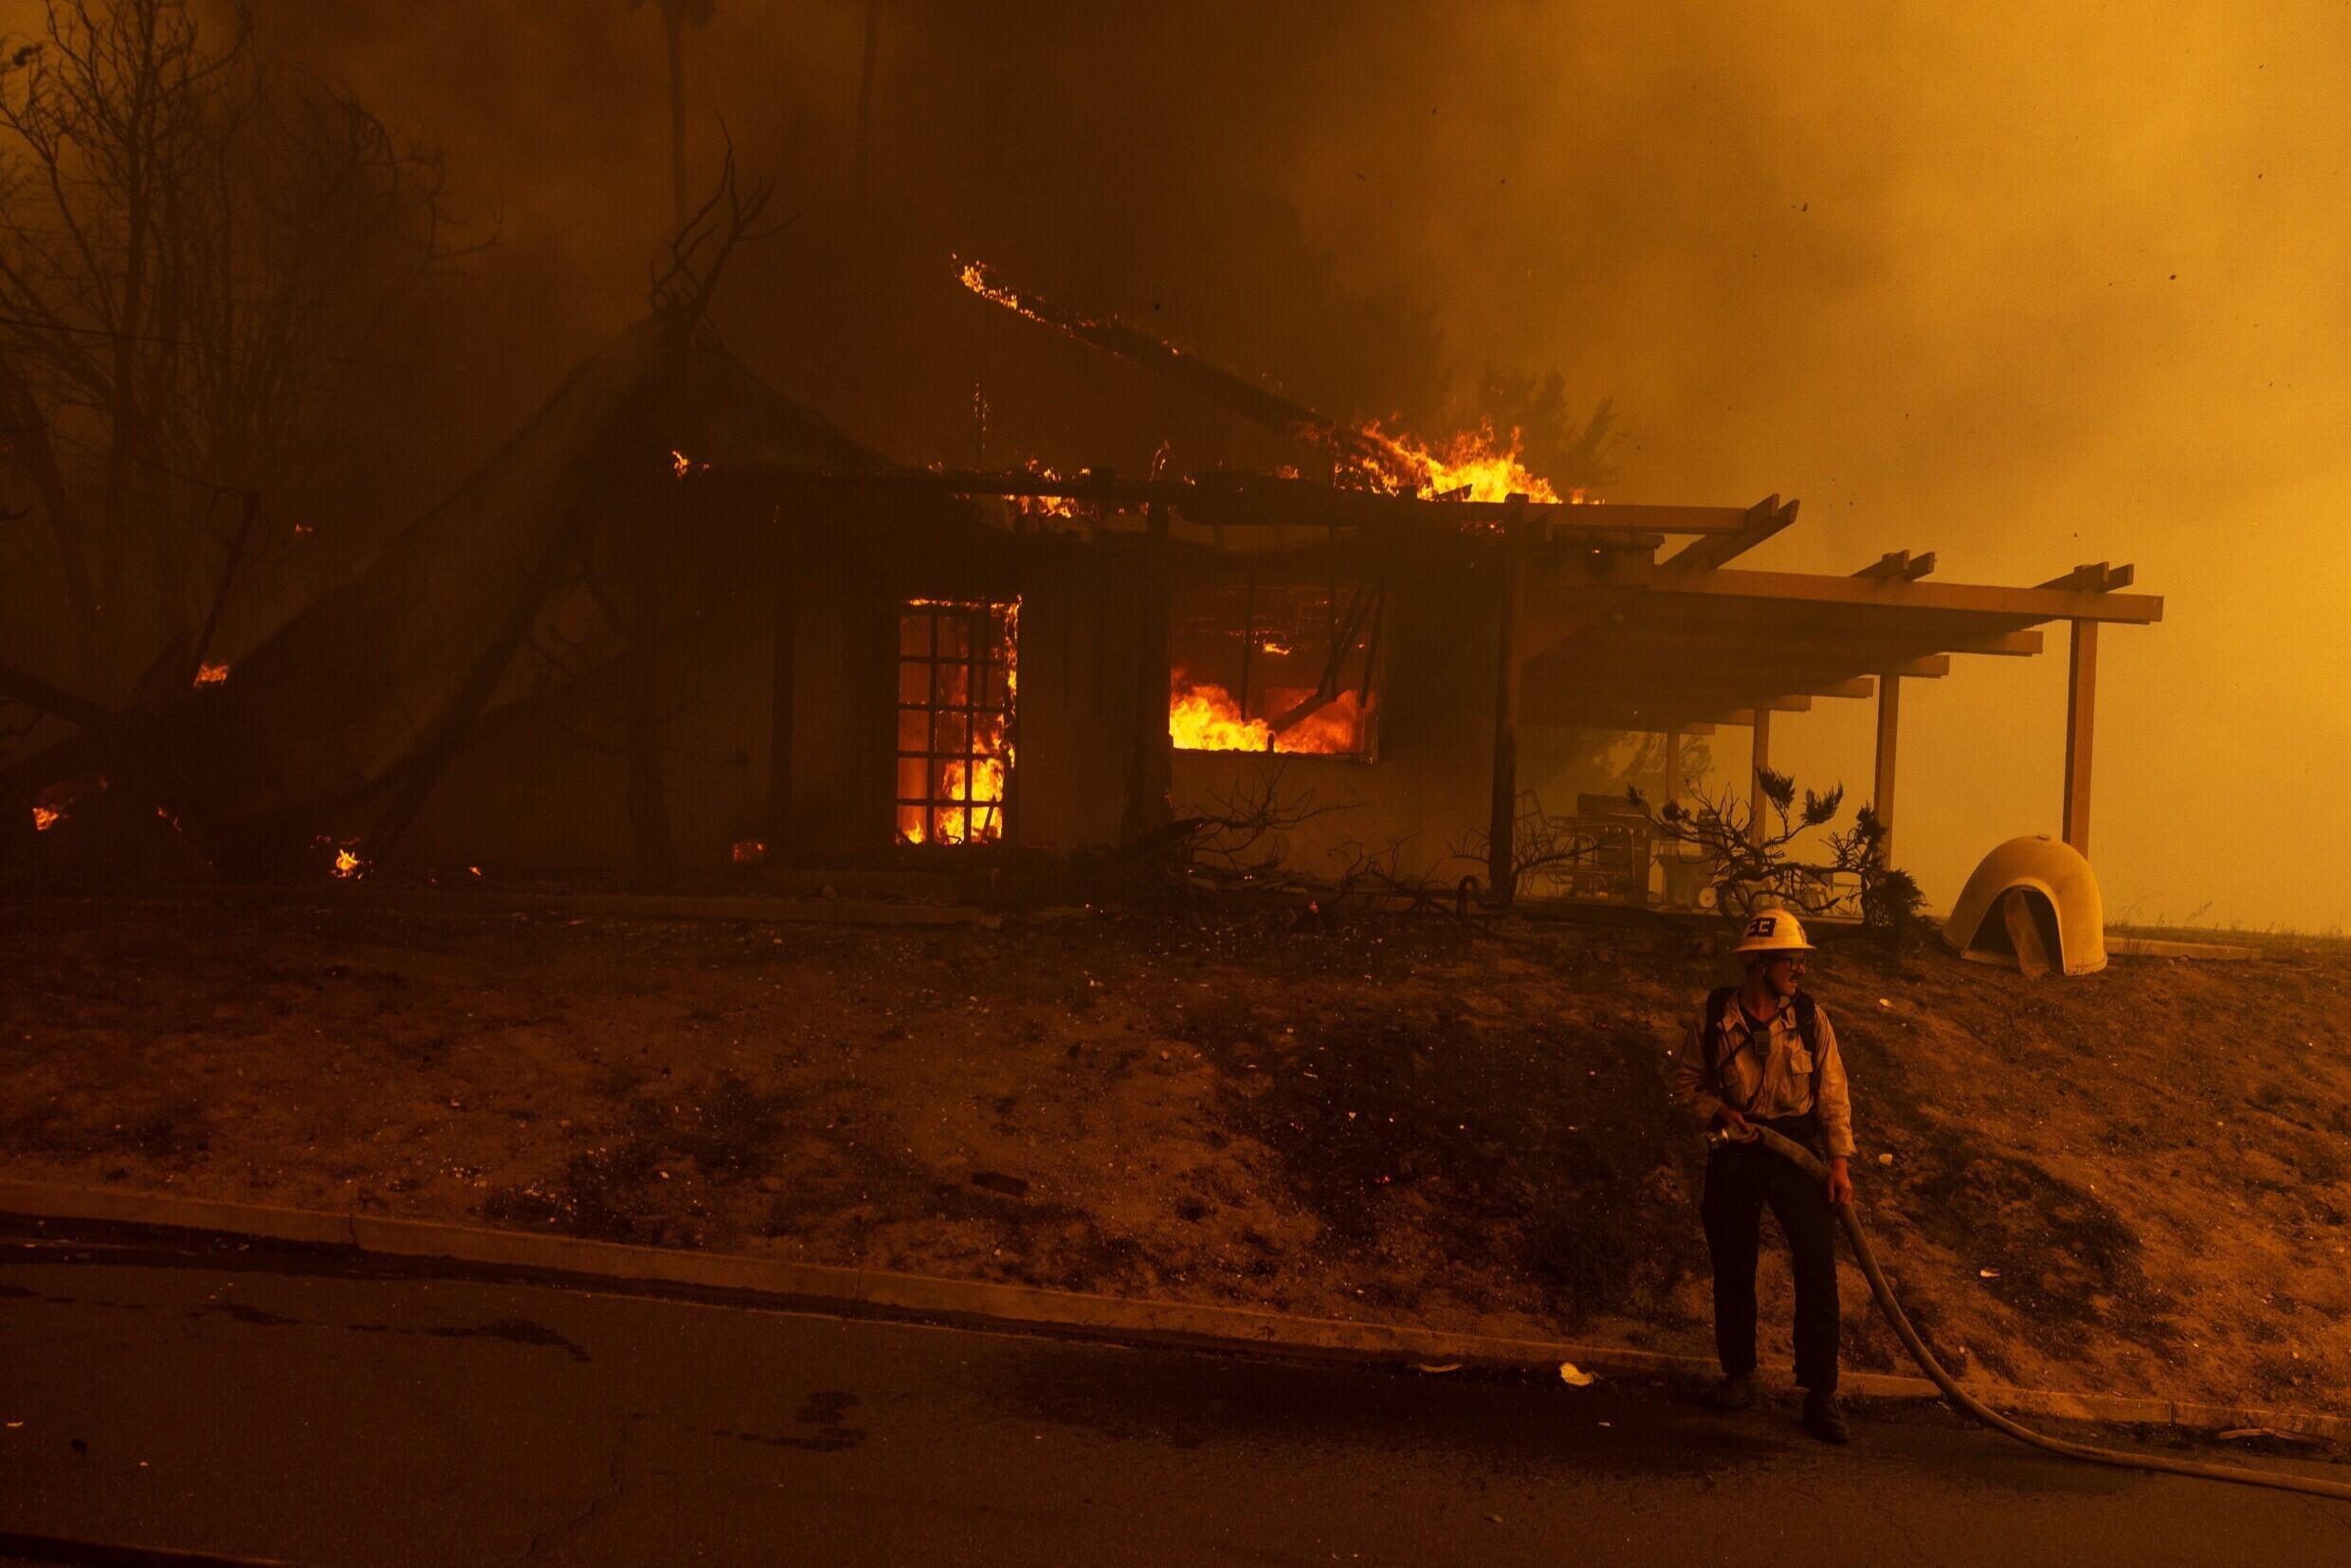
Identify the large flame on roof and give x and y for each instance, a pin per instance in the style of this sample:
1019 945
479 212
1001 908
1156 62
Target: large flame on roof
1468 465
1473 465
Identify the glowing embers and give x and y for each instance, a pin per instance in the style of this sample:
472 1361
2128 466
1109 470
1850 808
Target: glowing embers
957 680
211 675
1280 668
346 863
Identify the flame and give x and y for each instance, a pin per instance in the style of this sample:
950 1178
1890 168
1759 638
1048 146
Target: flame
984 821
211 675
746 851
681 465
46 817
1204 718
1469 465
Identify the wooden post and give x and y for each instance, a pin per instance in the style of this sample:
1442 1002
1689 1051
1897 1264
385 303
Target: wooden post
1890 721
2081 708
1756 804
1248 640
1150 759
785 593
1673 765
1501 849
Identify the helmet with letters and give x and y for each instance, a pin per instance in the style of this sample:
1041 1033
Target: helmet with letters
1772 931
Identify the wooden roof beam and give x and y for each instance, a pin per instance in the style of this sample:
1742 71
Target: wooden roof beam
1898 566
1777 705
2096 578
1764 519
1685 714
2024 603
1795 663
2008 644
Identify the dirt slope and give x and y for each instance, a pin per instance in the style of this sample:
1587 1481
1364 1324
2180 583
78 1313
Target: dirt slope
2133 1181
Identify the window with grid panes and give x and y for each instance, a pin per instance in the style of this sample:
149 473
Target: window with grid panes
957 679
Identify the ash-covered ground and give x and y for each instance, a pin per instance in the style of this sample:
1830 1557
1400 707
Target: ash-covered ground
2134 1182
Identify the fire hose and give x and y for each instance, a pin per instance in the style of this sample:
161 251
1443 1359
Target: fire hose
1964 1401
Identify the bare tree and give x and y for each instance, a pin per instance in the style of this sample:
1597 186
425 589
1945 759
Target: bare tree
193 246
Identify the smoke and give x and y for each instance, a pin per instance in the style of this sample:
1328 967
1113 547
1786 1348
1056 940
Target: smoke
2022 286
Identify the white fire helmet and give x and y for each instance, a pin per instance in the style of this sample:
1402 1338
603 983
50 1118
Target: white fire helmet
1772 931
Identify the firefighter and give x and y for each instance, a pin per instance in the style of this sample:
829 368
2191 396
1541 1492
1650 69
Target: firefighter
1763 1052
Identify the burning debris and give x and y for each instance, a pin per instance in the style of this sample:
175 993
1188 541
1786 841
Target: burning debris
211 675
347 864
46 817
1043 506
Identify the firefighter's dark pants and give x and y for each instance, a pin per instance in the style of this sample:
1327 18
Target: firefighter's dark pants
1741 1180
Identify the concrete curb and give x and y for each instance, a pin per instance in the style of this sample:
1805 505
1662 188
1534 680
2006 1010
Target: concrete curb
883 1293
751 908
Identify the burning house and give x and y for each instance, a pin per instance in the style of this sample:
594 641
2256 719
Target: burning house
679 620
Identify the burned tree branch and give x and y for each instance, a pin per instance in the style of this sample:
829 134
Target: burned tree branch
727 218
22 685
1251 813
1375 877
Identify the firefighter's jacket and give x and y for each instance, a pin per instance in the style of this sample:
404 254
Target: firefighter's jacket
1766 1072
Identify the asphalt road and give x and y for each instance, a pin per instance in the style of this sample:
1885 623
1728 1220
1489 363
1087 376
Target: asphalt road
323 1419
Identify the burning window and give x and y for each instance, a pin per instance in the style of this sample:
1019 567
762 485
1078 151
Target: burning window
957 673
1279 667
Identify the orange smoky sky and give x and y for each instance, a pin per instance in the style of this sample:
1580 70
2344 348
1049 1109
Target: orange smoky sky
2028 286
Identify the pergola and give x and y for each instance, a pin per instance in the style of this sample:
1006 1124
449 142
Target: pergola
1681 644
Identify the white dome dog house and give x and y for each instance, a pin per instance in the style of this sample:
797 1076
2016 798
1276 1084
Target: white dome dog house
2031 892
